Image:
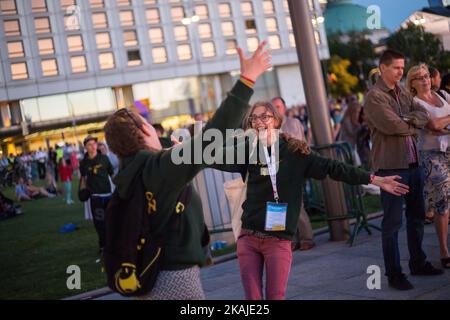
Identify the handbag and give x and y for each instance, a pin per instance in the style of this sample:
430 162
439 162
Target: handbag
236 192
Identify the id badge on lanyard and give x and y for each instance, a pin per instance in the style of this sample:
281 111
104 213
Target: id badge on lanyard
276 212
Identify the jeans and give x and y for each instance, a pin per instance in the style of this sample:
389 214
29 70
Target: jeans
68 186
392 220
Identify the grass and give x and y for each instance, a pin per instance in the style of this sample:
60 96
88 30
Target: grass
34 256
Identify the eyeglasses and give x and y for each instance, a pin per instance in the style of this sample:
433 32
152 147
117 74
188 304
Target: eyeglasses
264 118
130 115
425 77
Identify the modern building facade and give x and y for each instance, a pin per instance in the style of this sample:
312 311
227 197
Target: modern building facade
67 64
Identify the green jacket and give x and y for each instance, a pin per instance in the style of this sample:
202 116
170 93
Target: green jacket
165 180
293 170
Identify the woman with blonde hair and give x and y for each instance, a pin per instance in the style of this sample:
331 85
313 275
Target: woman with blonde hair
434 153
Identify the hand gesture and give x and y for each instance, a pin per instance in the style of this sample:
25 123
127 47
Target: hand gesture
389 184
257 64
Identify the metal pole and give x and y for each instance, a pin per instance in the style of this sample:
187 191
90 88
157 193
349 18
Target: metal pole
318 111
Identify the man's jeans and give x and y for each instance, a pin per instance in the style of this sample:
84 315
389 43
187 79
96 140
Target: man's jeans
392 221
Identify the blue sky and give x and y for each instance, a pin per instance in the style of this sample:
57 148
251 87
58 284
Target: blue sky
394 12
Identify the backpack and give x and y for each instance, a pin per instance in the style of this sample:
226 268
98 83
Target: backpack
133 254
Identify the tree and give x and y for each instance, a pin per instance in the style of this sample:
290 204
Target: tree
341 82
419 46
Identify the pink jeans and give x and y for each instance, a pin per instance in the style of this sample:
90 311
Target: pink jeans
253 254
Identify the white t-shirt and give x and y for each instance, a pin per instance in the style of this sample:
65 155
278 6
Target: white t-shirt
427 141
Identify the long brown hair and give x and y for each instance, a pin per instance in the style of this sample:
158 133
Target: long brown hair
294 144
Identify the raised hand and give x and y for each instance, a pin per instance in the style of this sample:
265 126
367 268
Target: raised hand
257 64
389 184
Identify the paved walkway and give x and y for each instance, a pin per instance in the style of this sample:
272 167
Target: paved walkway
333 270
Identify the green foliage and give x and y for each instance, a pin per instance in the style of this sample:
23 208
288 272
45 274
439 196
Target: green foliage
341 82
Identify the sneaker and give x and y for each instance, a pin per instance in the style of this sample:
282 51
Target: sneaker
426 270
400 282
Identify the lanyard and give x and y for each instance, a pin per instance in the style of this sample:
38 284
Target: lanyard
271 165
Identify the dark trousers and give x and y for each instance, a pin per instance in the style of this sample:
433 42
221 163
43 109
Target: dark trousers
98 208
41 170
392 220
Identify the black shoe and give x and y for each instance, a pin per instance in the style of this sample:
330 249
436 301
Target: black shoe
426 270
400 282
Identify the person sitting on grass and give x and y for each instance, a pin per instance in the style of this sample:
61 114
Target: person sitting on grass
35 191
22 193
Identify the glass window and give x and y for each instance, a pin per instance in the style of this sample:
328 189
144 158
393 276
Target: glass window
130 38
42 25
250 26
268 7
317 37
231 46
271 25
78 64
274 42
208 49
126 18
11 27
289 22
177 13
103 40
181 33
202 12
38 6
150 1
292 40
99 20
122 3
224 10
156 35
106 60
184 52
71 23
67 3
46 46
227 28
97 3
8 7
19 71
49 67
285 6
252 44
152 16
134 58
15 49
247 8
204 30
159 55
75 43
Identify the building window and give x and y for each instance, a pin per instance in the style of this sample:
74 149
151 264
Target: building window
231 46
71 23
42 25
177 13
224 10
126 18
202 12
8 7
97 3
99 20
289 23
130 38
274 42
317 37
156 35
268 7
134 58
184 52
247 8
204 30
150 1
252 44
227 28
250 26
106 60
46 46
38 6
208 49
49 67
11 27
152 16
103 40
75 43
159 55
67 3
15 49
19 71
292 40
123 3
286 6
181 33
78 64
271 25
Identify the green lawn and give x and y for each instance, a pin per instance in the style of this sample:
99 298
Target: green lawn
34 256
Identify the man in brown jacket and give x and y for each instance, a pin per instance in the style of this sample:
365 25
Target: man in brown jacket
394 119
